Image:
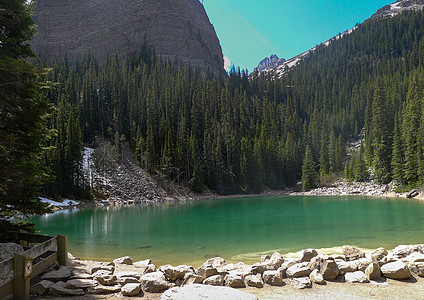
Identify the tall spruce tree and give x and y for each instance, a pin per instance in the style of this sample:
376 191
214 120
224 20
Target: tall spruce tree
309 174
23 115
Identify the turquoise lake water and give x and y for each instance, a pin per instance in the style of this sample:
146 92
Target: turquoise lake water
237 229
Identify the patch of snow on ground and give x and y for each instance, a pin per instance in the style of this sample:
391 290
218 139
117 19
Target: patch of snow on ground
65 202
88 164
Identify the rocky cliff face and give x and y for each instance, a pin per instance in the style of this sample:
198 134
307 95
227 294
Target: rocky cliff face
269 62
397 7
178 29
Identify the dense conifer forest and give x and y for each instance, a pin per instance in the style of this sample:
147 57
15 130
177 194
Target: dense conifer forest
245 134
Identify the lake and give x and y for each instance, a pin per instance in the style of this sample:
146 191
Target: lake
239 229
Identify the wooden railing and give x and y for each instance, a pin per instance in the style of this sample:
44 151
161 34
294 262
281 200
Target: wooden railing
49 250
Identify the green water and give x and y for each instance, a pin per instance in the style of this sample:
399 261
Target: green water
236 229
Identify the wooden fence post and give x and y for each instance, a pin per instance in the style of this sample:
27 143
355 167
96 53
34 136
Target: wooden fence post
62 249
20 284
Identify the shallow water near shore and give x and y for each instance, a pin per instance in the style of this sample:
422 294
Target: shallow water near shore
237 229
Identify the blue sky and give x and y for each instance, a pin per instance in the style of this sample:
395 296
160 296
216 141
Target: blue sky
250 30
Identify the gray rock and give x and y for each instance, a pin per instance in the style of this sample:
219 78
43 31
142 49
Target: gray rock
154 282
191 278
258 268
316 277
356 277
106 279
379 254
413 193
316 262
402 251
205 292
101 289
298 270
142 263
396 270
234 281
128 274
41 288
131 289
150 269
63 274
216 280
215 262
352 253
264 258
101 273
80 283
273 278
174 273
125 280
329 269
308 254
373 271
59 289
301 282
254 280
414 257
346 266
7 250
417 268
206 272
363 263
109 269
275 261
126 260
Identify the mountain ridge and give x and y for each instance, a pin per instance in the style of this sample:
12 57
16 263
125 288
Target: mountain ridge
178 30
390 10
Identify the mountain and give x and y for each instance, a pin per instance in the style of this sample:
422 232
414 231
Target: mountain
269 63
385 12
397 7
177 29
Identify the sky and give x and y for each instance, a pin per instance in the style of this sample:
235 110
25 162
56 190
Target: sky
250 30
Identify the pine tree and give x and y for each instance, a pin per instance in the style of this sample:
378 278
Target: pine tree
308 170
23 115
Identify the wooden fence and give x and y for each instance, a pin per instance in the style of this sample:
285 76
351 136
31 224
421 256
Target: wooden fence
48 250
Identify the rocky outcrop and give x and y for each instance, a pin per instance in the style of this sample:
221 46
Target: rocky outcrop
178 30
398 7
269 63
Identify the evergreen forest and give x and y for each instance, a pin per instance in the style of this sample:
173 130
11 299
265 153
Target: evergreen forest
246 134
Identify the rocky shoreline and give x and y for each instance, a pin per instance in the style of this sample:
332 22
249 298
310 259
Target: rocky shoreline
123 277
339 188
